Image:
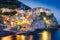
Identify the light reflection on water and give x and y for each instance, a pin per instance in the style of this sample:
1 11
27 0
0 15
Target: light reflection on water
55 35
7 38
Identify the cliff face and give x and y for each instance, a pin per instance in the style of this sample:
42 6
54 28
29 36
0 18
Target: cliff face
30 20
23 20
45 21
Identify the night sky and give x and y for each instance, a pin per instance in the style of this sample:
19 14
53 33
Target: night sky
54 5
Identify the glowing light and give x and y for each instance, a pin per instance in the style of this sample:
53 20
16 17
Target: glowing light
48 21
5 23
38 14
6 38
27 16
44 18
25 21
20 37
17 22
31 37
3 10
7 18
16 14
48 12
11 23
40 10
46 35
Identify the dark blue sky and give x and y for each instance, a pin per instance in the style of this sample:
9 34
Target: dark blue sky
54 5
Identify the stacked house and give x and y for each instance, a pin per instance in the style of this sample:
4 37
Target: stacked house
17 17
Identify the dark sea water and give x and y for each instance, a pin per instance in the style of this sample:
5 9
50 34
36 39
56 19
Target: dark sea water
55 35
